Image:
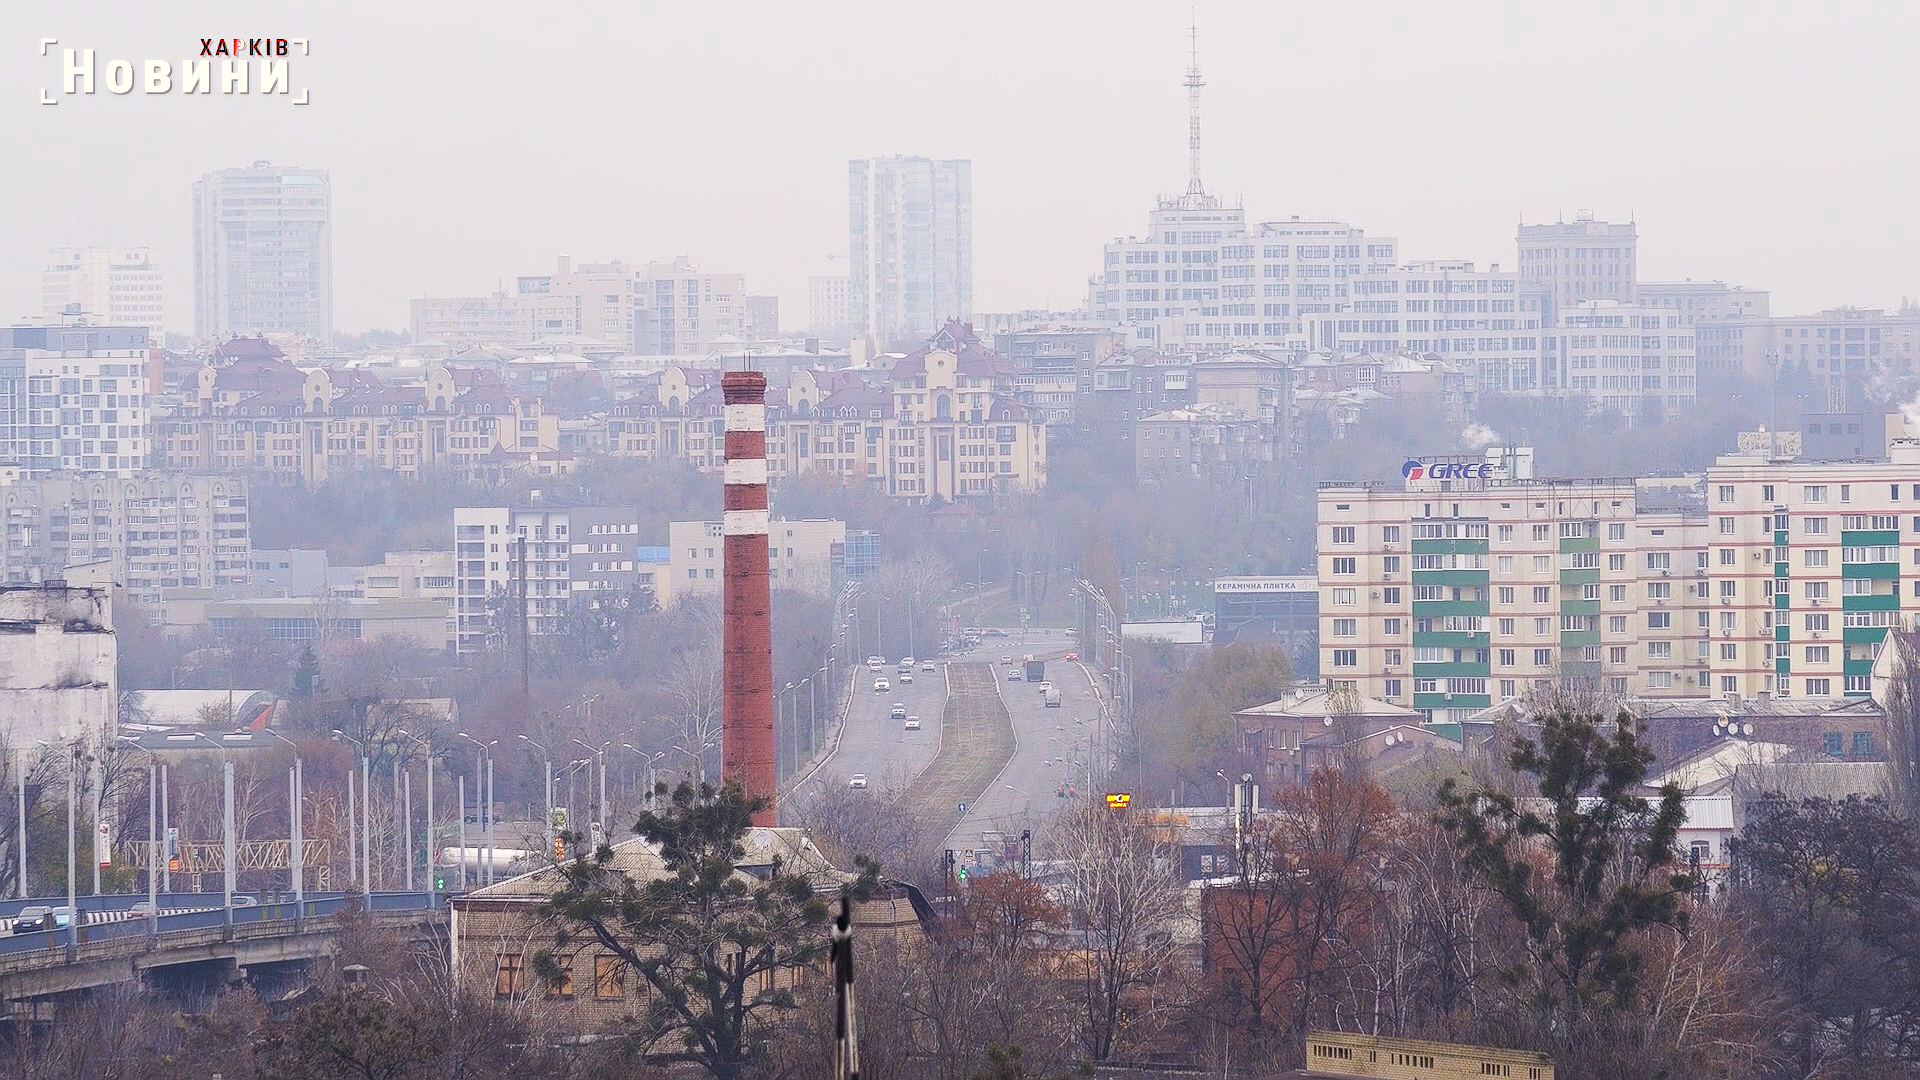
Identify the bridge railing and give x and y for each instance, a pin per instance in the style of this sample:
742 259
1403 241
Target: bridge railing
196 922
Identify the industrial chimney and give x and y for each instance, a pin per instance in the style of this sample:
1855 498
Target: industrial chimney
746 658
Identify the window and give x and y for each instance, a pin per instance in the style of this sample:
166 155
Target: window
1542 533
609 977
1346 658
1391 594
1390 564
1830 743
1343 534
1392 657
1543 626
1726 526
1542 594
1659 620
1506 658
1814 526
1817 622
1814 590
1345 566
509 975
1543 658
1862 743
1616 624
1393 688
1390 627
1542 564
1817 654
1616 562
1343 597
1660 680
1506 627
1504 563
1815 556
1345 627
1659 560
1389 534
1726 557
1814 493
1506 594
1819 687
1725 493
1617 654
1659 650
1506 532
562 986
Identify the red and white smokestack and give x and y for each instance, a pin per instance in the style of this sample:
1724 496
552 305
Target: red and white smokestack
746 640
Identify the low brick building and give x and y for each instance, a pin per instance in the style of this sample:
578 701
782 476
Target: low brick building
497 930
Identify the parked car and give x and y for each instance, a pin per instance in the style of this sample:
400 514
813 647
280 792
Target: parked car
913 723
857 780
899 711
881 686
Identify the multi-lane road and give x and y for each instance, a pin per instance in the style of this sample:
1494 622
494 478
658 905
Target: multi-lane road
1055 750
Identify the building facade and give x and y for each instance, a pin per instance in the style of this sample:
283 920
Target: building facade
148 533
73 397
58 673
1628 358
465 320
678 308
829 315
804 557
910 246
263 252
1581 260
114 286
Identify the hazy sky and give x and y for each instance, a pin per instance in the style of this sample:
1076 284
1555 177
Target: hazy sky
1766 143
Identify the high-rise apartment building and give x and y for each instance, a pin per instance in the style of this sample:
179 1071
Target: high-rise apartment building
591 301
828 313
263 252
112 286
577 550
1449 595
1807 566
800 555
151 532
73 397
910 243
1581 260
466 320
677 308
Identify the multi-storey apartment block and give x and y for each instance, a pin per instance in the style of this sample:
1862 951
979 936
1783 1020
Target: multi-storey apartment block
1449 595
151 532
1806 560
73 398
116 286
547 557
263 252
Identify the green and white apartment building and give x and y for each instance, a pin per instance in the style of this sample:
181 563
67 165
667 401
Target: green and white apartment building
1451 595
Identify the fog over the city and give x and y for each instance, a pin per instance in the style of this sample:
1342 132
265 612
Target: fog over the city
1765 142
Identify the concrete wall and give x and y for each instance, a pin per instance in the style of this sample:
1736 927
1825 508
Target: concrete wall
57 658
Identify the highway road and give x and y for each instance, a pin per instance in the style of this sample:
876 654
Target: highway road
877 745
1053 751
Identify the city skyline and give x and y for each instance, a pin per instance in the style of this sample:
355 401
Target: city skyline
1048 191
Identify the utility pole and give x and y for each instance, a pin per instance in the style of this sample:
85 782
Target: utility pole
20 785
166 824
94 777
353 846
526 632
463 834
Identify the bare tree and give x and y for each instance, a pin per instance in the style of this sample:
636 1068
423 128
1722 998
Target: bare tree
693 686
1123 906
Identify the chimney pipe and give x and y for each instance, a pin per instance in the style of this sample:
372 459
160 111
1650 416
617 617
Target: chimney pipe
746 659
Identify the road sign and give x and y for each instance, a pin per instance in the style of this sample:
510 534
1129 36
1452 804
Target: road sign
963 809
105 852
1118 800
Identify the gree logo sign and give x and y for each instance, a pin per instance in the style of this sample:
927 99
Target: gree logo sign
235 65
1415 469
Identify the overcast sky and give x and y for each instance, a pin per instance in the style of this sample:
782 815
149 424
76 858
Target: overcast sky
1772 144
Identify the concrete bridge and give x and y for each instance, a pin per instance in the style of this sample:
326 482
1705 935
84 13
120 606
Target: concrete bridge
192 947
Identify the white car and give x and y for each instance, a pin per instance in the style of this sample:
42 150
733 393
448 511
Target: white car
1045 686
881 686
1013 674
927 666
913 723
906 661
906 678
876 662
1006 659
857 780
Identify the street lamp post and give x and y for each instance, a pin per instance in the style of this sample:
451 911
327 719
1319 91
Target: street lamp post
483 792
546 757
296 826
226 825
20 786
428 747
366 796
153 840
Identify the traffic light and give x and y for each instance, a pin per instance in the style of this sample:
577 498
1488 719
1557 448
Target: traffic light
963 873
949 862
439 881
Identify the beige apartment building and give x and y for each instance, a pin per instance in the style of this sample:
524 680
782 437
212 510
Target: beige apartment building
1450 595
801 556
1806 562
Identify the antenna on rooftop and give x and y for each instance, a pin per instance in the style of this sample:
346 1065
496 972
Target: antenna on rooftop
1194 83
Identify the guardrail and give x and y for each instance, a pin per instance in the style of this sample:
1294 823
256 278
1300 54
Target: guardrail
177 925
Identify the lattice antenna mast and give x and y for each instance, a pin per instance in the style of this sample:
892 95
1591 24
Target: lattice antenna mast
1194 83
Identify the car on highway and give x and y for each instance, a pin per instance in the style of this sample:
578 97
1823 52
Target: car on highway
906 661
39 917
141 909
1045 686
926 666
899 711
881 686
906 678
994 631
876 662
243 900
913 723
1013 674
1006 659
1073 656
857 780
